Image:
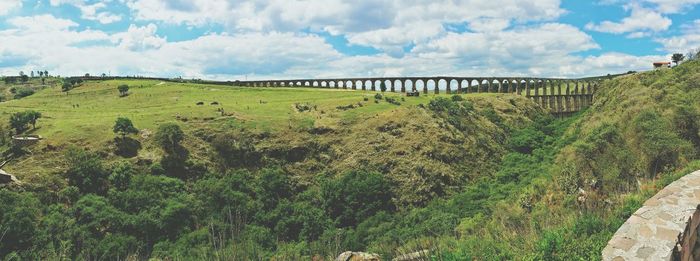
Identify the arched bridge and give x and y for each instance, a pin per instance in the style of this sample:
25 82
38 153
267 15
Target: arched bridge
560 96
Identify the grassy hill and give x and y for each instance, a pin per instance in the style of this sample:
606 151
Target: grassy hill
299 173
417 149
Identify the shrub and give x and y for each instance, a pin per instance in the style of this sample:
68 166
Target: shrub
67 86
236 151
86 171
686 120
121 175
392 101
24 92
378 96
659 146
123 127
356 196
20 120
457 98
169 136
123 90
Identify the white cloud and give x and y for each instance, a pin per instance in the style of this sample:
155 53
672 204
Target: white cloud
8 5
261 40
641 19
41 23
140 38
673 6
690 39
662 6
139 50
388 25
91 11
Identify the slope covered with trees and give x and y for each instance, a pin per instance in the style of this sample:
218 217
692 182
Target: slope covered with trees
488 177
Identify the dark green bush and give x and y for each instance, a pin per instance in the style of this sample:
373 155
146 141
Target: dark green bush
356 196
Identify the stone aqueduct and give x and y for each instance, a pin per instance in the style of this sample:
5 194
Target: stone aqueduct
560 96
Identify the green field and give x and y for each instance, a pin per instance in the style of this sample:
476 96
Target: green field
472 177
86 114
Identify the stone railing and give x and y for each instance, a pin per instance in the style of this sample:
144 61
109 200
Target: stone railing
665 228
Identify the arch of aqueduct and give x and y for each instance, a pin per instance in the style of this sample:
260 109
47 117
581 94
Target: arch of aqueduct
557 95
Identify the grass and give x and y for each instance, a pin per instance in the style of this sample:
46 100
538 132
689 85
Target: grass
85 115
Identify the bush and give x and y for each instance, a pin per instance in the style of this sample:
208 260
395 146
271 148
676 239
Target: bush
169 136
378 96
86 171
457 98
67 86
121 175
392 101
660 147
123 90
686 120
236 151
24 92
356 196
19 218
20 120
123 127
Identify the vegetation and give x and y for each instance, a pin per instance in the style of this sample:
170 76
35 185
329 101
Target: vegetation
123 127
20 120
468 177
123 90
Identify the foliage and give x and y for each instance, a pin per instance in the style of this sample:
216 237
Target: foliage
20 120
169 136
23 92
86 171
123 89
677 58
236 150
355 196
660 147
67 86
123 127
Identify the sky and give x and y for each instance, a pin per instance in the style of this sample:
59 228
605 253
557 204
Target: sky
287 39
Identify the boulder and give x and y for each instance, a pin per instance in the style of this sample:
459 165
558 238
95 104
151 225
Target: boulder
6 178
357 256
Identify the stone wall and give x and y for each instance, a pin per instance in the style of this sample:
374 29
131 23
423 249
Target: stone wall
665 228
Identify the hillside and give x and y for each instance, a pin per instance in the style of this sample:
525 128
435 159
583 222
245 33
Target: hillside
419 149
298 173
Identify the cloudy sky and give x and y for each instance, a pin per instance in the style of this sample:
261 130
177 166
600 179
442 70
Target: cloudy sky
256 39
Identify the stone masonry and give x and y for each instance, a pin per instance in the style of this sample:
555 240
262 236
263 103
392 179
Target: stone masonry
665 228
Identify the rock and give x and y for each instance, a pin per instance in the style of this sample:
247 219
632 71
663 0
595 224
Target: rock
357 256
6 178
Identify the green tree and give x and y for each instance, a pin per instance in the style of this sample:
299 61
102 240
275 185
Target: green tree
356 196
32 117
86 171
686 120
121 175
19 218
677 58
382 86
67 86
660 146
169 136
123 126
20 120
23 92
123 89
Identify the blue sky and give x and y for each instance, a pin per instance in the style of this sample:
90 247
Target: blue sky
260 39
